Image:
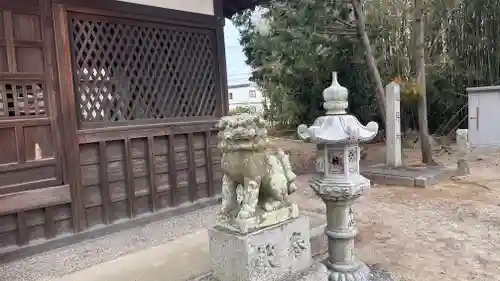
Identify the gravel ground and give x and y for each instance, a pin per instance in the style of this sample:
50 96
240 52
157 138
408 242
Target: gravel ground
58 262
319 272
450 231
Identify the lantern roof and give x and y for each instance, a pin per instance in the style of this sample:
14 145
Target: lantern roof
337 126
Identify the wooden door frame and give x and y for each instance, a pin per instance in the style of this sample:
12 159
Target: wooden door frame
41 9
72 174
52 84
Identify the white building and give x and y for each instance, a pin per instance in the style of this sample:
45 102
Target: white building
245 95
483 131
242 92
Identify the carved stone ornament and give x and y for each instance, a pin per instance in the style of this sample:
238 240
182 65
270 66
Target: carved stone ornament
297 245
265 258
264 176
350 216
271 254
337 135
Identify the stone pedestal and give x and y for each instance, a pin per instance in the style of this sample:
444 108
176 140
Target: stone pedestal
268 254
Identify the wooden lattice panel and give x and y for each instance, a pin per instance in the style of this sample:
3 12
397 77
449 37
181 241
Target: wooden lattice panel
18 99
21 55
127 72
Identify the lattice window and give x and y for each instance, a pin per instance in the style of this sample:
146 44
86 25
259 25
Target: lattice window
128 72
18 99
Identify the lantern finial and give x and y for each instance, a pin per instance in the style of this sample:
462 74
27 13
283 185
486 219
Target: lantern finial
335 97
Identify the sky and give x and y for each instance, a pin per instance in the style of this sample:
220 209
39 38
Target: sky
237 70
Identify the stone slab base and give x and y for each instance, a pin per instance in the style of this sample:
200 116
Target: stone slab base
319 272
407 176
268 254
260 220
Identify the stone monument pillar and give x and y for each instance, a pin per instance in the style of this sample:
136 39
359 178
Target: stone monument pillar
393 125
261 236
463 152
338 180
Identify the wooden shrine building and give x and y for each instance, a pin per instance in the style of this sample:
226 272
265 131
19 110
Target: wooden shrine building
107 113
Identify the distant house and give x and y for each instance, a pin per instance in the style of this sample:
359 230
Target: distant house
245 95
241 91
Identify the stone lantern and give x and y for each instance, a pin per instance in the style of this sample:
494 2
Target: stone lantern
338 180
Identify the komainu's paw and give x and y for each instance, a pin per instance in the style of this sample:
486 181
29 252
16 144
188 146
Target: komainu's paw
223 215
272 205
292 187
245 213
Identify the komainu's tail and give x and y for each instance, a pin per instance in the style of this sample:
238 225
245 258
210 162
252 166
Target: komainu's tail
287 168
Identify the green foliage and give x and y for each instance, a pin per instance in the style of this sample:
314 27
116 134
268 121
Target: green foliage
241 109
306 40
293 58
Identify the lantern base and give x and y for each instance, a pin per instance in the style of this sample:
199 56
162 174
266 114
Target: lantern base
319 272
359 272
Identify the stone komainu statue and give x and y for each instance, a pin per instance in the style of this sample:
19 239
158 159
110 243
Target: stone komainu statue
265 175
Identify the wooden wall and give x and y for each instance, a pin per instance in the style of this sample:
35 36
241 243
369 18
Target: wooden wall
33 215
131 176
108 162
34 201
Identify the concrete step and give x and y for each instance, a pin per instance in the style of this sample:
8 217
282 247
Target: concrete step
183 259
59 262
173 249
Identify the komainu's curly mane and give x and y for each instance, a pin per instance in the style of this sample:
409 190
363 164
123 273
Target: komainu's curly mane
244 131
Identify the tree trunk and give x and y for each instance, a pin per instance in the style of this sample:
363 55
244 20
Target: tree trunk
370 59
420 70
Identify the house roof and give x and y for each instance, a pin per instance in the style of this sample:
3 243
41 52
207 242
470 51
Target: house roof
231 7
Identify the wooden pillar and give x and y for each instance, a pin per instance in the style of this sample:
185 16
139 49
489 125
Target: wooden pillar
72 174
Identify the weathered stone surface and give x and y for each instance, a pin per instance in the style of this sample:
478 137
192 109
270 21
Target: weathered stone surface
463 167
319 272
399 180
338 181
424 181
261 219
434 178
463 152
267 254
393 125
407 176
319 241
256 180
